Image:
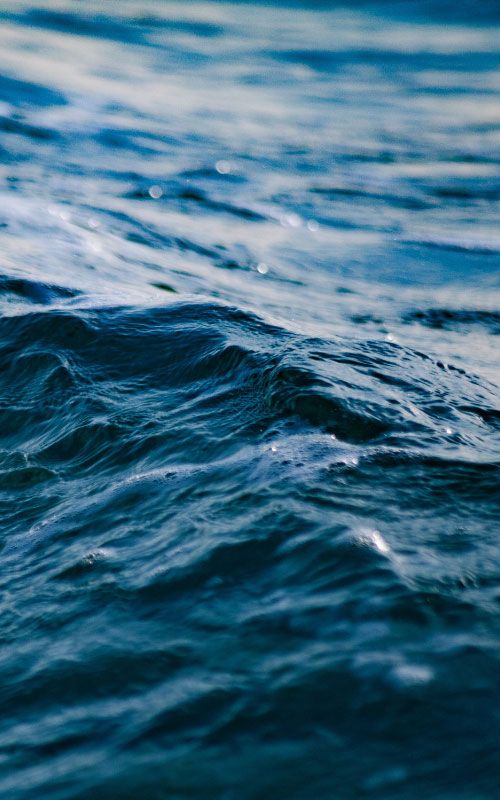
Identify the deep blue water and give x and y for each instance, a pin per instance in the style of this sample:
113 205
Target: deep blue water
249 400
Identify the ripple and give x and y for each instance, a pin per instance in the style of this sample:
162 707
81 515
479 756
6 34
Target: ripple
249 400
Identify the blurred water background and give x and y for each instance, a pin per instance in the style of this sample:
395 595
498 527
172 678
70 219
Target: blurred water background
249 400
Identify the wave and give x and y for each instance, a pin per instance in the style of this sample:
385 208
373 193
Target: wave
249 415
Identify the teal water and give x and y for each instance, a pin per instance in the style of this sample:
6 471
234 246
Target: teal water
249 400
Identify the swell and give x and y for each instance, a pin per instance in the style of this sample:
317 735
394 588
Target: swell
122 392
359 391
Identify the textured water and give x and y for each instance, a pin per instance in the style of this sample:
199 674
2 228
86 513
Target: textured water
249 400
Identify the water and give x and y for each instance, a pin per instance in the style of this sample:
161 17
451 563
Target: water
249 394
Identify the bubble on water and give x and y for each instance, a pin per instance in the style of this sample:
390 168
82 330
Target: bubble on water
93 223
448 431
155 192
224 167
262 268
312 225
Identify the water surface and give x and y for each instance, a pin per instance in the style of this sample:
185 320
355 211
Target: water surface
249 399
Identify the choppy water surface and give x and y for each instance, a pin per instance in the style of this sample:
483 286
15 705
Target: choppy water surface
249 400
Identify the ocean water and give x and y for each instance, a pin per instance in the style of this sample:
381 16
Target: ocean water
249 400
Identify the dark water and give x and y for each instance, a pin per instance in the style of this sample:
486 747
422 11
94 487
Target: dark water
249 397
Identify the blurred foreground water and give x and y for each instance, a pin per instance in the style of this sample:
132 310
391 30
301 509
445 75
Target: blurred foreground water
249 398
